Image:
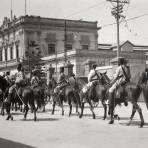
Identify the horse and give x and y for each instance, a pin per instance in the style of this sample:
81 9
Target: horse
28 96
98 94
130 91
68 95
3 92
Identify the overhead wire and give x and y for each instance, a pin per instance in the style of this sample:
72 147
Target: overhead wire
82 10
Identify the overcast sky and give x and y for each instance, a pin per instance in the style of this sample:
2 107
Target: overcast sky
135 30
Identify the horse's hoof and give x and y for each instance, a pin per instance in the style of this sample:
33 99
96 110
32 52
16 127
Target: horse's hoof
12 118
104 118
111 122
141 125
35 118
7 118
94 117
80 116
24 119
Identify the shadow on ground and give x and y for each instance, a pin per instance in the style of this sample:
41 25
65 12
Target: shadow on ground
134 123
42 119
4 143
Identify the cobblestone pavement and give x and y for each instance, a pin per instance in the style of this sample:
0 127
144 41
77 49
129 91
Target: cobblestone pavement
56 131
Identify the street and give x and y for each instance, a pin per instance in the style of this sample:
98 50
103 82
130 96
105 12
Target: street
57 131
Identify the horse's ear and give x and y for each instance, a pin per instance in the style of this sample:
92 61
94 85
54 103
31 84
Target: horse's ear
105 72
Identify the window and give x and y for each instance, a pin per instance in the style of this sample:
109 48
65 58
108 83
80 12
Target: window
85 47
11 53
51 49
0 55
68 46
5 54
17 52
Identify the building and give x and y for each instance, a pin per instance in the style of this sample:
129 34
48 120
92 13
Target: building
58 41
47 37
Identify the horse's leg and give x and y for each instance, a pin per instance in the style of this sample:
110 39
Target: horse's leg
35 117
53 107
2 109
70 109
62 108
132 115
82 109
92 109
141 116
77 111
105 110
26 108
8 107
111 107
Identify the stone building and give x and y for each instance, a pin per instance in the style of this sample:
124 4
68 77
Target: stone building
48 37
58 41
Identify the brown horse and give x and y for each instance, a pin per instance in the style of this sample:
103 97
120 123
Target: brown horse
99 94
131 92
28 97
70 95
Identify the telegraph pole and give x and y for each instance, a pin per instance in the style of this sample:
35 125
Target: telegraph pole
11 11
117 13
25 7
65 40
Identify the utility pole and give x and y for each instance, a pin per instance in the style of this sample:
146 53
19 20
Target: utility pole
25 7
65 41
11 11
117 11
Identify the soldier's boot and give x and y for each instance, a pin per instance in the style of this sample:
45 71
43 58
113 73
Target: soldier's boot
111 107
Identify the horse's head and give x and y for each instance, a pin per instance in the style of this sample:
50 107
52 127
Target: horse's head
104 78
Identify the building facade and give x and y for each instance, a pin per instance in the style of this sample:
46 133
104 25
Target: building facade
56 40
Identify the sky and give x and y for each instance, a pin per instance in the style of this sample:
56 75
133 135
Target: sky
134 30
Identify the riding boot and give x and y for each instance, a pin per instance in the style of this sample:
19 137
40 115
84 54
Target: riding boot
91 91
111 107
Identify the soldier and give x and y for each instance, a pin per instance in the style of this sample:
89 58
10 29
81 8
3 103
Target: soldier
19 81
121 77
7 77
61 81
93 76
35 79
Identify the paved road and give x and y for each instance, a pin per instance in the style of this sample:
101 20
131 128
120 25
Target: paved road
56 131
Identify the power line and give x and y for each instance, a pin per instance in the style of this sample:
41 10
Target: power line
93 6
129 19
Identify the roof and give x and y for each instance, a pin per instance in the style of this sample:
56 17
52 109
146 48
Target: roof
114 45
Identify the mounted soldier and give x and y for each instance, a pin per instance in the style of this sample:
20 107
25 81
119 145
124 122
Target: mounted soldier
93 77
19 82
121 78
35 79
62 82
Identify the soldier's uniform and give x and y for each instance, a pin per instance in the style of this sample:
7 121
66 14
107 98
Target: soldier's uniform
61 81
121 77
93 76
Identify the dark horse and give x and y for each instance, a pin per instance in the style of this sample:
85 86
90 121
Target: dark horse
99 93
70 94
28 97
131 92
3 89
